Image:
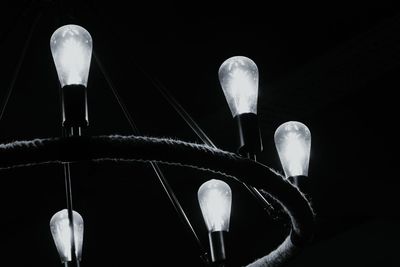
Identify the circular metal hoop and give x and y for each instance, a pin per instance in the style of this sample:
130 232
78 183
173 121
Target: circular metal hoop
175 152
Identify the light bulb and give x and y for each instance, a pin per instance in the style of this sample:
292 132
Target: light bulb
238 77
61 232
293 143
71 47
215 198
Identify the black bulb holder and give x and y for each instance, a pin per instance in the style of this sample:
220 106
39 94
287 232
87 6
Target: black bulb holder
217 246
74 106
249 134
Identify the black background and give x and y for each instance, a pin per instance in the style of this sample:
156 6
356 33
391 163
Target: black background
332 66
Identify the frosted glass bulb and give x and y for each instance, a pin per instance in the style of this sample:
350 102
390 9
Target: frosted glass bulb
293 143
61 232
71 47
238 77
215 198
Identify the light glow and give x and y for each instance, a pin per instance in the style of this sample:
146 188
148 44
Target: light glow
215 198
238 77
71 47
61 232
293 143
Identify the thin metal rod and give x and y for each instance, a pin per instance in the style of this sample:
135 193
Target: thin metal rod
19 65
68 193
254 191
160 175
184 114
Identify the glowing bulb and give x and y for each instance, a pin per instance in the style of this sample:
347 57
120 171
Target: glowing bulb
71 47
61 232
239 80
293 143
215 198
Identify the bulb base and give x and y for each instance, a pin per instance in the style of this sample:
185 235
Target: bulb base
74 106
250 142
217 246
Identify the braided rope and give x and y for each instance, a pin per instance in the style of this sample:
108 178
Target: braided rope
175 152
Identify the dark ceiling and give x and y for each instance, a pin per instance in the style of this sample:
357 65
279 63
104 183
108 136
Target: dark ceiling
333 67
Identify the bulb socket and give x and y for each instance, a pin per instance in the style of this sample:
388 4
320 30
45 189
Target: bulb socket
250 142
217 246
74 106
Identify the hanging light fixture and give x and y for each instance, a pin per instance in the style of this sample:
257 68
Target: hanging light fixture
71 48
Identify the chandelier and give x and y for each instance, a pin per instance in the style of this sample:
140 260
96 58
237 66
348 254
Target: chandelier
71 47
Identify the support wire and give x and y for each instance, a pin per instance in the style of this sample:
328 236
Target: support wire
19 65
160 175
